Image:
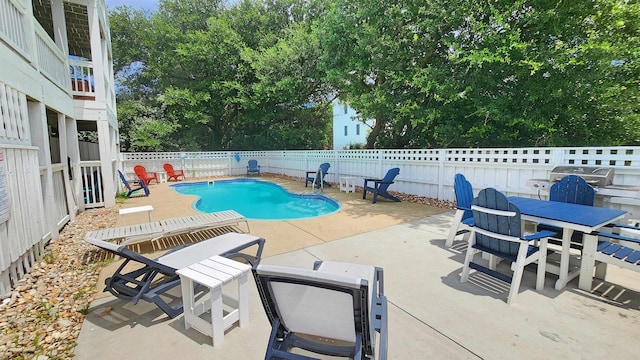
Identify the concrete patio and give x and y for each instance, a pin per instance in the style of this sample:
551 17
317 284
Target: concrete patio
431 314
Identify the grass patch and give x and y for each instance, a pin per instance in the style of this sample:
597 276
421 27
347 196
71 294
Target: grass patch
49 257
85 310
78 295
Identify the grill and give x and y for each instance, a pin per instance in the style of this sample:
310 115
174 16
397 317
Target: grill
599 177
595 176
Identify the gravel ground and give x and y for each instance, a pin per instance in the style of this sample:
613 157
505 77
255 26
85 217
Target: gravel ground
42 317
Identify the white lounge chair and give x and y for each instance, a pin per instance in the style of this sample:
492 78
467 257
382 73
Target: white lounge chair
153 231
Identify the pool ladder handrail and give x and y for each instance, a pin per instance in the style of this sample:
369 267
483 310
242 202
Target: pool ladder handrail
313 185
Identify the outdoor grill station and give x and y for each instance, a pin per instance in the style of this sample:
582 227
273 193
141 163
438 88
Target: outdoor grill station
601 178
607 193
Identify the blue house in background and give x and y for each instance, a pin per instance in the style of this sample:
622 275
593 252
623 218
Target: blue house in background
348 128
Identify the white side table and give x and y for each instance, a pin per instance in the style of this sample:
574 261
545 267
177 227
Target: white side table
133 210
162 176
213 273
347 184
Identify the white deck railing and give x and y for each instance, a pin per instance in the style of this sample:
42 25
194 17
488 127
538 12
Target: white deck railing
51 60
61 207
92 184
82 78
14 25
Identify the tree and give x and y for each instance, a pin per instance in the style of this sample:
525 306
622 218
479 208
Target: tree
542 71
500 73
260 74
215 92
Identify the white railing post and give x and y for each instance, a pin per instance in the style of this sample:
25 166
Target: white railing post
557 156
441 173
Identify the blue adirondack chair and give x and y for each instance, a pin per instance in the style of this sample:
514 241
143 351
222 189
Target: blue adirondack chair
575 190
253 167
572 189
141 185
497 230
322 171
380 186
463 219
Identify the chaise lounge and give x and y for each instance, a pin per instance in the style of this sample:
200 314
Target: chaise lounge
150 279
153 231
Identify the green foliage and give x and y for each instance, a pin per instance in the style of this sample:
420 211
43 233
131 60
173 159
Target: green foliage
259 74
121 197
48 257
144 127
354 146
78 295
85 310
502 73
46 311
208 84
553 83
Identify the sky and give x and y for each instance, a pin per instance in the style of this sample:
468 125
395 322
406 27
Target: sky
136 4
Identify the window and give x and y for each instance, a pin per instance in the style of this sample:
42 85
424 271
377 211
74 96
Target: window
346 132
345 110
357 129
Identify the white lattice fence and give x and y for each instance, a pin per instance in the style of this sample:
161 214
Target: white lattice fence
194 164
21 237
424 172
14 116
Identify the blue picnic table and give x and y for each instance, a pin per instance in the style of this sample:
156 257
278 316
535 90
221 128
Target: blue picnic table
570 217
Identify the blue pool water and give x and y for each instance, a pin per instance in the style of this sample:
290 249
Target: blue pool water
256 200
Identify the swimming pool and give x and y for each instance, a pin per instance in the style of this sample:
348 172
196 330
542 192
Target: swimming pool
256 199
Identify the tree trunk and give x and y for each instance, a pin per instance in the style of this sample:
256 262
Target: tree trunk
373 135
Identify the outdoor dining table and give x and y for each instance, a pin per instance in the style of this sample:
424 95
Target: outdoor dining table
570 217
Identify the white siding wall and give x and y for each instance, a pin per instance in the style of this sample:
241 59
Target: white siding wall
345 117
35 88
